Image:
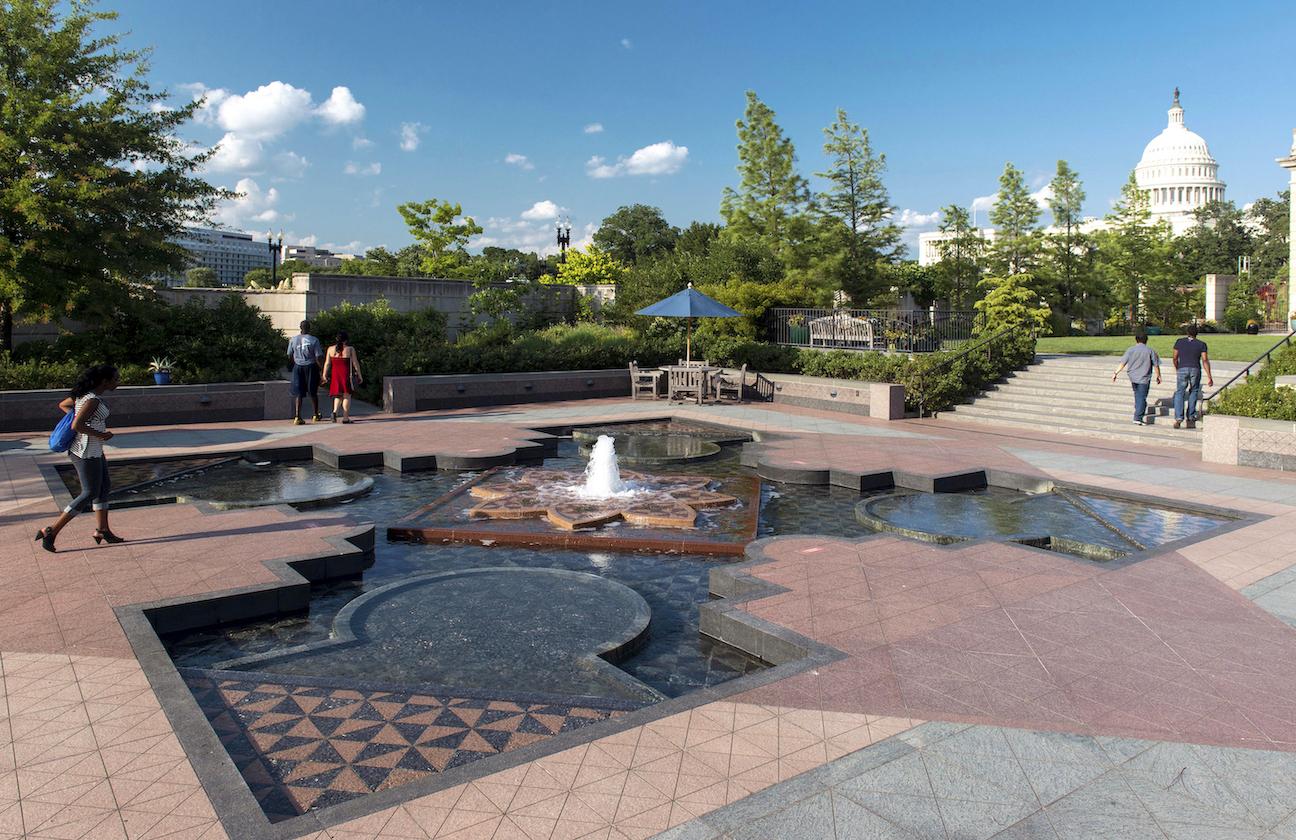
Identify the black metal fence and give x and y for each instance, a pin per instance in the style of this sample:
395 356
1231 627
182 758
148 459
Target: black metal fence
899 330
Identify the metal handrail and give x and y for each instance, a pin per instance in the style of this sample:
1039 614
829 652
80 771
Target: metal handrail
987 342
1246 371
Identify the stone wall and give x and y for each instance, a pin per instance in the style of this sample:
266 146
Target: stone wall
37 411
306 295
880 400
405 394
1249 442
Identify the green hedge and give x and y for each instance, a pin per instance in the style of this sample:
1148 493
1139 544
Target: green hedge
37 376
943 387
230 342
1259 397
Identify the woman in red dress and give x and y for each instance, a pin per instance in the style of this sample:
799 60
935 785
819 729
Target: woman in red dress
342 374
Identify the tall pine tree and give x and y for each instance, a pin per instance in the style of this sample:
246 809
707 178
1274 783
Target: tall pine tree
772 200
1134 257
855 210
1068 248
958 271
93 179
1015 216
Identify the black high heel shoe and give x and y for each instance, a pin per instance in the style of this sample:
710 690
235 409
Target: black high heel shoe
108 537
46 538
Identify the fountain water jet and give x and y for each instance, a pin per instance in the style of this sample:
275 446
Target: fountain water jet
602 474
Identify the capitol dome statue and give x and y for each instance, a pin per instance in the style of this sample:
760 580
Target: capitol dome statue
1178 173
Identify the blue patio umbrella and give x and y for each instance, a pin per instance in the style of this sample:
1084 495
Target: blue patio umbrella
690 304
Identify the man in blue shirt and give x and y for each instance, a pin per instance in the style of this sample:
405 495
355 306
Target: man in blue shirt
1190 359
1139 362
307 355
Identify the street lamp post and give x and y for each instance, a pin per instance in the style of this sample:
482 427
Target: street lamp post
274 255
564 238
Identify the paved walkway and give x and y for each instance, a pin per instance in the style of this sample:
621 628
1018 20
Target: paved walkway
1152 699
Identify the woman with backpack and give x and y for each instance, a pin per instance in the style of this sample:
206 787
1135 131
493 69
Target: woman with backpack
90 427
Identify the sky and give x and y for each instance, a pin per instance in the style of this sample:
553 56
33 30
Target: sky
328 114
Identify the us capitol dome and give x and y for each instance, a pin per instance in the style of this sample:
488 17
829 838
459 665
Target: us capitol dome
1178 173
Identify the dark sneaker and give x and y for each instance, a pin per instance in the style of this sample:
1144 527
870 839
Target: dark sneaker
1192 424
316 418
1178 423
297 421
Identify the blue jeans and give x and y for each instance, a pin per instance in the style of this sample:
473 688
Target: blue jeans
1140 398
1187 389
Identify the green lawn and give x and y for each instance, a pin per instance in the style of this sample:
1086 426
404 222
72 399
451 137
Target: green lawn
1230 348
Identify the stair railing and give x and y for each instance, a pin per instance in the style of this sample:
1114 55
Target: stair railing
1245 373
986 342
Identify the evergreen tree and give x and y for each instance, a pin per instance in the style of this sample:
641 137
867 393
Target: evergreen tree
1070 266
772 199
855 210
1218 237
1134 257
93 179
1015 216
959 268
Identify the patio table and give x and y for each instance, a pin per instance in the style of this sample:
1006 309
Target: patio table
675 373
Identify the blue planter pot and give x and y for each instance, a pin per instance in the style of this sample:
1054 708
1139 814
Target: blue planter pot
162 377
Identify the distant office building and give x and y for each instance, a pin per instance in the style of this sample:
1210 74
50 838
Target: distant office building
229 253
315 257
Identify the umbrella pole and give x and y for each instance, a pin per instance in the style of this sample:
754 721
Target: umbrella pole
688 343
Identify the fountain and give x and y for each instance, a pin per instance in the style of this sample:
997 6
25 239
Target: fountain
602 474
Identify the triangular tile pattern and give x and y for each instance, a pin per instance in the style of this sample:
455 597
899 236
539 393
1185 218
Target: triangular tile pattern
88 753
635 783
305 747
995 633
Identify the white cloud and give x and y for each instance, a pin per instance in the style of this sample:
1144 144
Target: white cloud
983 202
268 111
353 168
664 158
594 128
236 153
290 165
341 108
537 236
913 218
411 134
541 210
1042 195
520 161
253 206
211 99
361 142
625 42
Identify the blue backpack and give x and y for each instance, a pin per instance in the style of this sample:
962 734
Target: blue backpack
62 436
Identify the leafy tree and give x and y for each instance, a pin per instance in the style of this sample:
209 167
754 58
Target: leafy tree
1015 216
1070 268
257 278
855 208
697 238
1269 244
1009 302
93 179
772 200
1218 237
202 277
908 277
1134 256
442 231
959 268
634 233
588 268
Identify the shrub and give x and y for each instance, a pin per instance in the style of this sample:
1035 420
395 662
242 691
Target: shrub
387 342
38 375
1259 397
230 342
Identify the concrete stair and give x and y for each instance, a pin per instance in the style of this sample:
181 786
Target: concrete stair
1074 395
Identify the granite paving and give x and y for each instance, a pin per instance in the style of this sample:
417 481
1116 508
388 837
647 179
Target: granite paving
1067 699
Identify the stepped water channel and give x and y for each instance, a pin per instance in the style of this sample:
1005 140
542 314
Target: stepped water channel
1075 395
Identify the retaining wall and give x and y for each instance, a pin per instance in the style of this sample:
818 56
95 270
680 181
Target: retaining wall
405 394
150 405
880 400
1249 442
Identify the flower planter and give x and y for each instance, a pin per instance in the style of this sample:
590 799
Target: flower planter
798 334
162 377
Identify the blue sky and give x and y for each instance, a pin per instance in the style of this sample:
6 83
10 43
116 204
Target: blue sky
497 103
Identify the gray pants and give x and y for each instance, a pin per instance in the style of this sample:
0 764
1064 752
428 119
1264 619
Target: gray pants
93 475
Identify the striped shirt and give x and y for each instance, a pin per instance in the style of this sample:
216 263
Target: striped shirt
86 446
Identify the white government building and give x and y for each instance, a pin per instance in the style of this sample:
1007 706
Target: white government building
1176 171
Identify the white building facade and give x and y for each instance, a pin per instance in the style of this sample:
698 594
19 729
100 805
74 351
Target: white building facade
1177 173
229 253
317 257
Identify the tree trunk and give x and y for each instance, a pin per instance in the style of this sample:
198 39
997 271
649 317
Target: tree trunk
6 325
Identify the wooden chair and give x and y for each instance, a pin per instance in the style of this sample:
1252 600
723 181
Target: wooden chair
727 386
686 383
694 363
644 382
